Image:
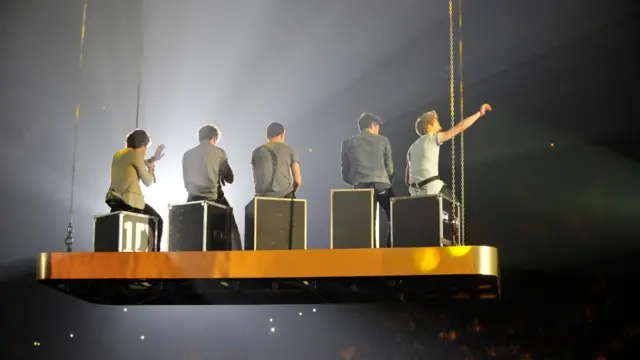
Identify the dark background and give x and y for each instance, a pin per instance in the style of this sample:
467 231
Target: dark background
551 175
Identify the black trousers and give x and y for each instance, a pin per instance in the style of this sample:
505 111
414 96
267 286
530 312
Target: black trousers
119 205
236 243
383 194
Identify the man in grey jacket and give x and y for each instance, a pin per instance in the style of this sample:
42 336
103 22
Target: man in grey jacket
367 162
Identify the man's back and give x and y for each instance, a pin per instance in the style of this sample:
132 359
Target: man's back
424 154
272 168
127 169
367 158
202 168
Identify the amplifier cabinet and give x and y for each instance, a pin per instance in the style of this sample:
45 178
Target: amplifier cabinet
421 221
199 226
353 220
275 224
124 231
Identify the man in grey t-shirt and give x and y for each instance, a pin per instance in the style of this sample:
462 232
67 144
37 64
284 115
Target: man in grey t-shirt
421 174
276 169
205 169
206 166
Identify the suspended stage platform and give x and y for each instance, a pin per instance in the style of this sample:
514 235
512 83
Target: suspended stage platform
274 276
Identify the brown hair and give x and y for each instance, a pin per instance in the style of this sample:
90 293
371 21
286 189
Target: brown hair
425 119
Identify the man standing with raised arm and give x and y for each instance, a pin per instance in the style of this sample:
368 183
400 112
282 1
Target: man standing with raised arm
367 162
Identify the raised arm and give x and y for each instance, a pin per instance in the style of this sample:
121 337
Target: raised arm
463 125
144 169
157 155
346 163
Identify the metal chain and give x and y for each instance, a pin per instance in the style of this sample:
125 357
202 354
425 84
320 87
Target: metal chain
452 99
68 241
461 76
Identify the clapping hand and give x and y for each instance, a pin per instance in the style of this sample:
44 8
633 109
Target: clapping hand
484 108
159 154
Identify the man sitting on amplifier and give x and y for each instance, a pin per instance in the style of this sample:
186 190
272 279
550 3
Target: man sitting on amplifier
367 162
421 174
205 169
128 167
276 169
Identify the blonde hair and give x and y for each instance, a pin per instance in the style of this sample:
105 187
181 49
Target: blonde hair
425 119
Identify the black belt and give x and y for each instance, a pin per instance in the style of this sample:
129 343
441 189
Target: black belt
425 182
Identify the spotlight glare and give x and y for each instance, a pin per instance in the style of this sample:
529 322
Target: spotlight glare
125 309
270 320
299 314
314 310
141 337
70 335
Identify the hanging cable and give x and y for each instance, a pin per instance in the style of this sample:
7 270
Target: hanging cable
461 88
68 241
452 97
139 71
453 119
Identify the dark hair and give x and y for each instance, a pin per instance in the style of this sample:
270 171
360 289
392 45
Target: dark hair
137 139
208 132
274 129
366 119
427 118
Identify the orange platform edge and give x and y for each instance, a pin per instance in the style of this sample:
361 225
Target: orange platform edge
271 264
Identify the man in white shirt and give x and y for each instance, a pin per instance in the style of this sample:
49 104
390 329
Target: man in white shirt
421 174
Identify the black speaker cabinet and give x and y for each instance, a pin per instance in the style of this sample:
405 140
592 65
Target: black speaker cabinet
353 219
421 221
275 224
124 231
199 226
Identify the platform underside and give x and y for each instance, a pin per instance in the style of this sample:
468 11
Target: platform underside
275 277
